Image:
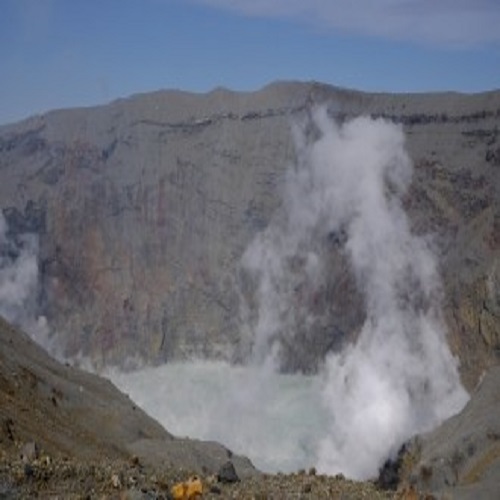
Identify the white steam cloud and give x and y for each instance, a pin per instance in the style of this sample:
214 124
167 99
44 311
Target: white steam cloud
19 283
399 378
396 378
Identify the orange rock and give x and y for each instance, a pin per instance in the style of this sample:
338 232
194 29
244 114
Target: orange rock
188 490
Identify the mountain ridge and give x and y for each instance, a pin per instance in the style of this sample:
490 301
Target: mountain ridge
143 208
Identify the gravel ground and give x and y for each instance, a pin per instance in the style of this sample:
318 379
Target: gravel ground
64 478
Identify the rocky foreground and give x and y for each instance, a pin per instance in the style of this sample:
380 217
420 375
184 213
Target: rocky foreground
70 478
65 433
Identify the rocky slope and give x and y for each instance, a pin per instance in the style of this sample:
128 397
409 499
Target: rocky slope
144 207
461 458
71 413
65 433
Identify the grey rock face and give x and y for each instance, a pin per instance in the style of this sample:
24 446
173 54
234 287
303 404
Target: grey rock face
462 456
144 208
227 473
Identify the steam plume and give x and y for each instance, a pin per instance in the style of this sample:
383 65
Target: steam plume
399 378
19 282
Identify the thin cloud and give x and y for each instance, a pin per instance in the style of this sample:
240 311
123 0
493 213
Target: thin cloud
455 23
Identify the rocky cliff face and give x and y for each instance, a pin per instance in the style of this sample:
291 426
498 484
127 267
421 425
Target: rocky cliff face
144 208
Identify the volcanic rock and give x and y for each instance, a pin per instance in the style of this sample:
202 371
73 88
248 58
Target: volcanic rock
461 457
227 473
29 452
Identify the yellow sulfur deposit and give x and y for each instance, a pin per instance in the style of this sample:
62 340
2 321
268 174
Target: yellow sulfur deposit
188 490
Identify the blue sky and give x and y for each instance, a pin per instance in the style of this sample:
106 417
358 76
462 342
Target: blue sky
66 53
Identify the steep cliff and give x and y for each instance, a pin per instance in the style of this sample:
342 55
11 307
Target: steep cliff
144 207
